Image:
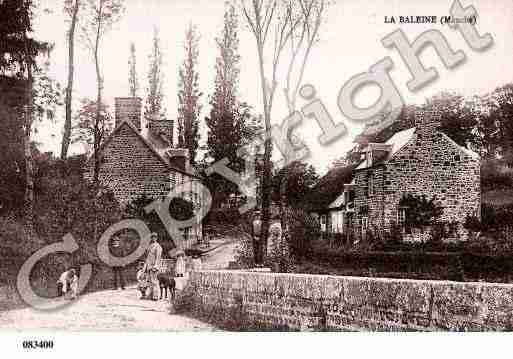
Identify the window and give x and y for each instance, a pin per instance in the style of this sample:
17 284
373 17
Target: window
369 159
365 225
370 190
401 216
173 179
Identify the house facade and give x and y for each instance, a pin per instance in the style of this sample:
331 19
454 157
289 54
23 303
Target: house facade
419 161
138 162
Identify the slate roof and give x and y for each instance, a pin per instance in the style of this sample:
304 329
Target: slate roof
329 187
157 145
397 141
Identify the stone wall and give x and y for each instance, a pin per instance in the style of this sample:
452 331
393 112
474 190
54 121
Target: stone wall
319 302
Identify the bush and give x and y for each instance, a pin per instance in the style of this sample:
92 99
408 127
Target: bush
244 255
495 176
303 228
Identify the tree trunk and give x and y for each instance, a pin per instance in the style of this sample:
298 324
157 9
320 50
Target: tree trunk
99 82
29 163
66 138
266 176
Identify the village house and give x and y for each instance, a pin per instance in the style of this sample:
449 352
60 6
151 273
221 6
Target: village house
420 161
138 161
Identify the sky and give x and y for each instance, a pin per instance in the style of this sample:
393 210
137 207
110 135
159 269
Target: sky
350 42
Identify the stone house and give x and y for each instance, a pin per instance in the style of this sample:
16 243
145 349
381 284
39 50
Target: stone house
420 161
139 162
328 202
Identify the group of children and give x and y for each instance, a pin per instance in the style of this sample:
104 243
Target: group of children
67 285
143 279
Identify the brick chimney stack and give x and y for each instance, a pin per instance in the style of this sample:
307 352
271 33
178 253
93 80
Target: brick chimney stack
128 109
162 127
427 122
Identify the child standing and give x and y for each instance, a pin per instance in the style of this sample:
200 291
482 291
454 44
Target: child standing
72 284
142 280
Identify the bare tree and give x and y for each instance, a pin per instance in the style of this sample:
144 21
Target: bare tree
269 20
99 16
71 8
304 36
311 14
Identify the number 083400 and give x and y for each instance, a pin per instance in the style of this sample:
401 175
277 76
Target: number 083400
37 344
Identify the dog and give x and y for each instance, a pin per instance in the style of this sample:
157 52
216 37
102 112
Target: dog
166 281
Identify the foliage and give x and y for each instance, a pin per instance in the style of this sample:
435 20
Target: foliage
154 108
458 119
179 209
98 18
495 175
329 187
15 240
68 204
12 158
244 254
303 228
420 211
85 122
189 106
496 122
301 178
230 123
17 50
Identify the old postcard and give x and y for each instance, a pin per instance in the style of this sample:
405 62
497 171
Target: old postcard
255 165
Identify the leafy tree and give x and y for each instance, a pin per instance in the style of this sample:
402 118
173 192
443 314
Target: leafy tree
189 95
300 179
86 126
71 9
500 106
458 120
154 107
99 17
18 54
133 80
179 209
230 124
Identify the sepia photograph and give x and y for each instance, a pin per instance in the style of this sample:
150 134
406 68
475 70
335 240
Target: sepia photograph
263 166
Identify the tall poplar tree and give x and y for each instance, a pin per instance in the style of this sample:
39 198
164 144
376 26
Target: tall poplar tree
229 123
154 107
133 80
189 94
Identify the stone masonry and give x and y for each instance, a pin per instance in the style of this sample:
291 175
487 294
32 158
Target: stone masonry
429 164
322 302
131 169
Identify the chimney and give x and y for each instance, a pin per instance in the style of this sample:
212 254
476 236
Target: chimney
162 127
179 158
427 122
128 109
